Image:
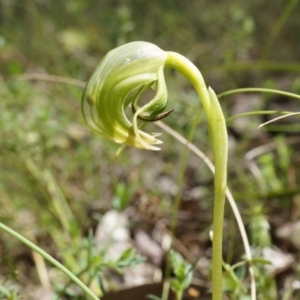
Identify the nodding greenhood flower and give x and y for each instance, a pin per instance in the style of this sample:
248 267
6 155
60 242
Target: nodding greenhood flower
119 80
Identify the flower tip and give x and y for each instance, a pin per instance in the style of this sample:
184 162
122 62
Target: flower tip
154 148
150 145
156 134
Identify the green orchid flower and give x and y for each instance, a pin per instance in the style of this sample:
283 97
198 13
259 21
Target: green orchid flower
118 82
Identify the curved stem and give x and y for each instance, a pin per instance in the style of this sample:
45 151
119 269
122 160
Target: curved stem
256 113
218 140
258 90
49 258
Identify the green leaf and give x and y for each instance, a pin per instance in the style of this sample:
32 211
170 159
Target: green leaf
129 258
182 270
261 261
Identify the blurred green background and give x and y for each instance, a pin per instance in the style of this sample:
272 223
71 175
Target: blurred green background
57 177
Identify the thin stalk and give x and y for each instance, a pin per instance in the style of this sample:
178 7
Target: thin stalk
179 295
229 196
256 113
50 259
218 139
278 118
258 90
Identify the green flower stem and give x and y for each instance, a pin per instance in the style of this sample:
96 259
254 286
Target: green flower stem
179 295
50 259
219 143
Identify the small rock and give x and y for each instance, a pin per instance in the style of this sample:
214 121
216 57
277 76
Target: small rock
148 247
290 232
279 260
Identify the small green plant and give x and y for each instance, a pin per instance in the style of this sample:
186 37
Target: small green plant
8 291
183 274
118 82
50 259
123 194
